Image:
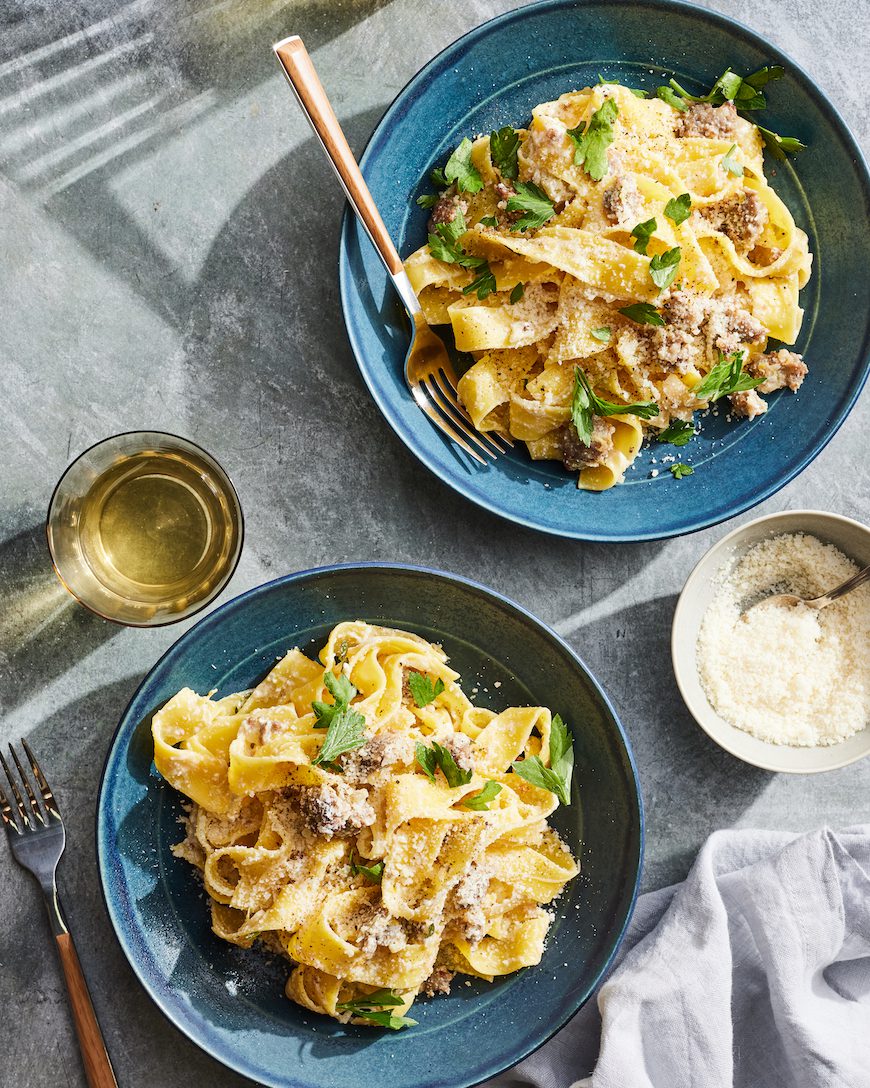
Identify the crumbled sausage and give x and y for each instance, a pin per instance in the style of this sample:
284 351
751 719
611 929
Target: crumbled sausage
729 326
622 202
780 369
686 310
376 928
702 119
577 456
747 403
741 217
765 255
446 208
676 348
383 750
460 747
335 810
438 982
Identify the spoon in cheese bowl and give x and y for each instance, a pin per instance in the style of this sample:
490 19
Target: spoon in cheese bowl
791 599
429 371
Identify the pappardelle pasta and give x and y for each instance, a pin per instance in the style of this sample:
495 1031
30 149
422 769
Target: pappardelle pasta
360 816
612 269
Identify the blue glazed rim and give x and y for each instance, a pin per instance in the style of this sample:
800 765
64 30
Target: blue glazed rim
380 135
155 985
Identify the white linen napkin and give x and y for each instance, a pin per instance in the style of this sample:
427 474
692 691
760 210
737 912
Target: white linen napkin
755 972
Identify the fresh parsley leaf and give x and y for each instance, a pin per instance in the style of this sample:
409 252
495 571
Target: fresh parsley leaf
727 376
427 200
603 334
677 208
678 471
373 872
663 267
422 688
729 165
339 687
438 179
444 245
460 169
780 146
743 91
454 774
518 292
483 284
591 142
642 234
585 404
426 759
669 95
431 929
480 801
324 712
378 999
489 221
388 1020
345 733
677 433
557 777
644 313
503 148
533 202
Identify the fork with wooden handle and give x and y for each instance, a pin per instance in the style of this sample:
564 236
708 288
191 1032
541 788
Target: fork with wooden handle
37 839
428 370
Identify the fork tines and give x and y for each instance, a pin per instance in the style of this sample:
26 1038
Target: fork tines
24 812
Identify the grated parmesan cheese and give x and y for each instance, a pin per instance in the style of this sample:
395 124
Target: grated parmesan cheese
788 675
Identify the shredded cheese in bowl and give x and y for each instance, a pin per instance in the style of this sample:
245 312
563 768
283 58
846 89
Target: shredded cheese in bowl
788 674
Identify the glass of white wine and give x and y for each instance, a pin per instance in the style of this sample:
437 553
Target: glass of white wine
145 528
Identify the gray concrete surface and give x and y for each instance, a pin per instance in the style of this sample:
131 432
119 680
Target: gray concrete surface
167 260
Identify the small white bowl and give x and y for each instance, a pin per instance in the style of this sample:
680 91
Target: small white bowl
853 539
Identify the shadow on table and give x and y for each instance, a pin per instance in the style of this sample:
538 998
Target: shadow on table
691 787
43 630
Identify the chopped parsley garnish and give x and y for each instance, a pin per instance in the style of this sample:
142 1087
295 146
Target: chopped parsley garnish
644 313
438 756
642 234
438 179
637 93
489 221
518 292
746 94
374 1007
729 165
585 404
503 148
557 777
342 651
678 471
780 146
373 872
677 433
663 267
591 142
427 200
677 208
460 169
426 759
422 688
342 691
727 376
480 801
533 202
669 95
484 284
603 334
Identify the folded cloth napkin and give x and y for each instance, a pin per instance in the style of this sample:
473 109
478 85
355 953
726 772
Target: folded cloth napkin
754 973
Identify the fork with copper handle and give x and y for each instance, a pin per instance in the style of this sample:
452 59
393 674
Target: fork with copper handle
37 839
428 369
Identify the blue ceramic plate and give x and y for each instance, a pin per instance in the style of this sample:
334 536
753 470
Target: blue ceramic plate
230 1001
492 77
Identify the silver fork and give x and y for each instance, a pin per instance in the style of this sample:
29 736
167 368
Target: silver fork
428 370
37 839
